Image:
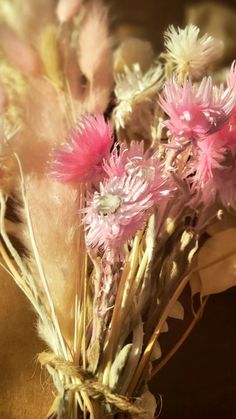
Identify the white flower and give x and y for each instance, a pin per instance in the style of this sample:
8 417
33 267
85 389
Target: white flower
189 53
133 87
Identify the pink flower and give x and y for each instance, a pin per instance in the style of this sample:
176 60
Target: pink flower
120 159
196 111
81 159
213 166
208 156
122 205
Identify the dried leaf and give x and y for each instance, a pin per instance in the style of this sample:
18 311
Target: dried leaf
156 352
93 356
177 311
118 366
164 328
148 403
195 283
222 275
226 221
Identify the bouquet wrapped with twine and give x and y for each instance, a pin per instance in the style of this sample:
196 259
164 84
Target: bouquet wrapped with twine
117 191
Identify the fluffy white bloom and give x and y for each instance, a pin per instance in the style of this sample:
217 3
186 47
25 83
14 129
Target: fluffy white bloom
190 53
133 87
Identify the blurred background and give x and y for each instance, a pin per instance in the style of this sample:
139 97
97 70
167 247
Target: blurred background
150 18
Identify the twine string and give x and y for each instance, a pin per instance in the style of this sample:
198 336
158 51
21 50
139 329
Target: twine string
91 386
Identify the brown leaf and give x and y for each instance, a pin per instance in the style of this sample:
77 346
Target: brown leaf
226 221
220 275
147 402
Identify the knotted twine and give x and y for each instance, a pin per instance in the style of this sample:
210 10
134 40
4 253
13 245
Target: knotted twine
90 385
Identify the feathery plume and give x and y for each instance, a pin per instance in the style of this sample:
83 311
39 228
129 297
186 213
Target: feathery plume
56 238
66 9
19 53
95 54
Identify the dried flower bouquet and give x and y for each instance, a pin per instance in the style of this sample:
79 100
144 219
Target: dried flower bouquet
119 201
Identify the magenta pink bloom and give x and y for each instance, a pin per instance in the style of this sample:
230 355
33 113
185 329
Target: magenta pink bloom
196 111
122 205
81 158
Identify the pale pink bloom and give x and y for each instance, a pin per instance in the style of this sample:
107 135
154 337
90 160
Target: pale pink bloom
132 159
121 158
196 111
81 158
121 206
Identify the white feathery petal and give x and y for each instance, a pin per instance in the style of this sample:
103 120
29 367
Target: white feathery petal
133 82
134 87
190 53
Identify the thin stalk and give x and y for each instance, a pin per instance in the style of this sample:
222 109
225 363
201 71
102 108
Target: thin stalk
138 277
118 311
17 277
180 342
133 269
79 281
148 351
84 325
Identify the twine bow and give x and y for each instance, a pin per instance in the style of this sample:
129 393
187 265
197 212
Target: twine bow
90 385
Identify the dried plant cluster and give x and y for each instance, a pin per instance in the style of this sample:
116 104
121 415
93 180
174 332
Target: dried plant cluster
121 168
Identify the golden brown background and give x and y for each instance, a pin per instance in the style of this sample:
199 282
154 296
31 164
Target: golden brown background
200 382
